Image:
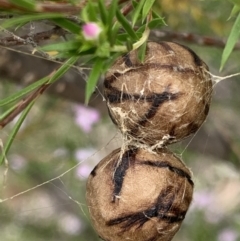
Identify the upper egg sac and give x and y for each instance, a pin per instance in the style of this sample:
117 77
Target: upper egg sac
162 100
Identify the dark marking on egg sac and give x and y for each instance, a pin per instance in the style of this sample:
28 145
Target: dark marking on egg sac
127 60
94 171
172 131
193 127
196 59
153 239
167 47
111 117
163 209
108 81
157 100
146 67
206 109
117 96
164 164
103 238
121 169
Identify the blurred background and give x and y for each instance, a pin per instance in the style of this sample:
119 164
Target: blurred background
62 140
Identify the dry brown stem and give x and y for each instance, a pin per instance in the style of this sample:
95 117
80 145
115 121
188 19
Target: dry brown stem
46 6
22 105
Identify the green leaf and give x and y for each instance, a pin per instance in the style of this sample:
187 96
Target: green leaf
129 45
93 78
28 18
232 39
84 14
23 92
126 25
92 12
141 52
27 4
111 14
7 112
137 11
103 11
14 132
112 11
146 8
112 36
63 69
236 2
62 47
234 11
157 22
68 25
103 51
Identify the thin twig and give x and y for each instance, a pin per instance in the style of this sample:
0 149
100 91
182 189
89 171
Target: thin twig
37 37
160 35
156 35
127 9
46 6
122 1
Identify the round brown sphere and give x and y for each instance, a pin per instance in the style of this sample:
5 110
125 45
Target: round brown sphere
139 195
162 100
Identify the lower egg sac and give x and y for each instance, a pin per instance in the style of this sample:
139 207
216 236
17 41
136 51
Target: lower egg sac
139 195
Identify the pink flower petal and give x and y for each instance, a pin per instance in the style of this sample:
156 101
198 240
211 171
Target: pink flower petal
86 117
91 31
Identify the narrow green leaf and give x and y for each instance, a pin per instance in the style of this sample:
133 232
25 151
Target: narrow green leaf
93 78
68 25
141 52
129 45
111 14
92 11
112 11
63 69
235 10
232 39
14 132
63 46
156 15
7 112
27 4
137 11
126 25
84 14
27 18
103 11
112 37
23 92
146 8
157 22
236 2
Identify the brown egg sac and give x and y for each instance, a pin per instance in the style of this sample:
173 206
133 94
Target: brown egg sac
162 100
139 195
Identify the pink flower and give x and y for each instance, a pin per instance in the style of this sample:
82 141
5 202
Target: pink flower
228 235
91 31
84 169
86 117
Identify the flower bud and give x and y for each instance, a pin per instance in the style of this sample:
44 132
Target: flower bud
91 31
